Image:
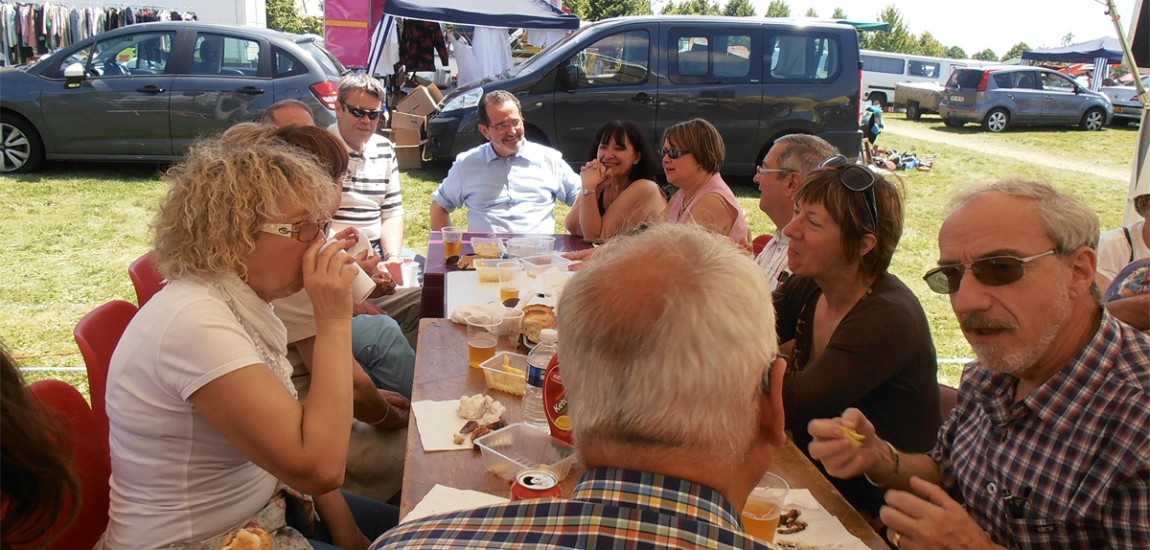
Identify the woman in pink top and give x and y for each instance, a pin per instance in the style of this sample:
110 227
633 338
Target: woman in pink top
693 152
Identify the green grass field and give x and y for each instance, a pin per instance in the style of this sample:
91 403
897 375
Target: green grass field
69 232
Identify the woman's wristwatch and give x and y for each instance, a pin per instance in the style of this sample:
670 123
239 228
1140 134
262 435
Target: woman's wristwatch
584 191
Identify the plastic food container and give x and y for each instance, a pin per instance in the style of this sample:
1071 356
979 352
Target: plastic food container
538 264
514 383
520 247
487 269
487 247
519 447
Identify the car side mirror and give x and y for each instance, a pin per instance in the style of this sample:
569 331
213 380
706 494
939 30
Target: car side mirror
569 77
73 75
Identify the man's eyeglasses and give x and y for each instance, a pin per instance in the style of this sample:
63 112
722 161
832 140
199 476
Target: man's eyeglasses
857 178
358 112
506 125
760 170
673 153
994 271
304 232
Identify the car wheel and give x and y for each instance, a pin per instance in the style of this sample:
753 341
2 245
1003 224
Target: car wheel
20 147
912 110
1092 120
952 123
996 120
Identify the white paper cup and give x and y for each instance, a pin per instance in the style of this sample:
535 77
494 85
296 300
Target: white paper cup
362 285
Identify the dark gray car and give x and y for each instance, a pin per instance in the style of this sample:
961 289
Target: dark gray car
1002 97
146 92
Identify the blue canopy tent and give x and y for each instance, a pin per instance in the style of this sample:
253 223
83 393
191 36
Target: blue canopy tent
1100 52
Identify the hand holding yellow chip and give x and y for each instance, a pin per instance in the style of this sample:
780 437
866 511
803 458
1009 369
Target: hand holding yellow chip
854 437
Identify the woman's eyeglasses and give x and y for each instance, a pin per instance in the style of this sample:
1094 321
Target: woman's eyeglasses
857 178
673 153
995 271
304 232
358 112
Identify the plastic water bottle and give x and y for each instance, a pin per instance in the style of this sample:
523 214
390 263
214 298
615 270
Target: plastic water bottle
537 361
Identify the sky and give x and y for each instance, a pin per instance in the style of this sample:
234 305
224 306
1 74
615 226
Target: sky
975 25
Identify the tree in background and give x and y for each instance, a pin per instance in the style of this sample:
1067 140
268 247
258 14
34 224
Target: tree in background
692 7
839 14
603 9
1068 39
283 16
812 13
955 52
985 55
927 45
580 8
739 8
896 39
1016 51
778 8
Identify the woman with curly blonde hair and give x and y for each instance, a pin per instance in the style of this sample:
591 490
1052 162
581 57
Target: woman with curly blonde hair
207 435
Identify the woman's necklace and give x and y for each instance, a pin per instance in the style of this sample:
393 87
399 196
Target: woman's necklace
687 201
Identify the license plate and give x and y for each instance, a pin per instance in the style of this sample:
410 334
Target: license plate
958 98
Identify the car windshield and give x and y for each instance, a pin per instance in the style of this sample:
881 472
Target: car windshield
545 55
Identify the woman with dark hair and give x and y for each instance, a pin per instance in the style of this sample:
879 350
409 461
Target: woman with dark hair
619 189
855 334
38 484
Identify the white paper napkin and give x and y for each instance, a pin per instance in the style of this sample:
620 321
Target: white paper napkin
442 499
824 531
437 424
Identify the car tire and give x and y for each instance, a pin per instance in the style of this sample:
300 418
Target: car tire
996 120
21 150
913 112
952 123
1092 120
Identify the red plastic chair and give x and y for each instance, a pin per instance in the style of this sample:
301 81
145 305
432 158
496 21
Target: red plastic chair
91 462
760 242
97 334
145 278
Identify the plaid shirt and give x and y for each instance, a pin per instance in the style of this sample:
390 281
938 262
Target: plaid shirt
609 508
1068 466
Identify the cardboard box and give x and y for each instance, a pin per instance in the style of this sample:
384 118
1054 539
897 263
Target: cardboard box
408 121
408 148
421 101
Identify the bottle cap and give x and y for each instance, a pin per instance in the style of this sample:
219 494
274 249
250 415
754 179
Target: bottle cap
548 335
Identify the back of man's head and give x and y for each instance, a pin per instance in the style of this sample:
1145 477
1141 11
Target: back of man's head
664 341
288 111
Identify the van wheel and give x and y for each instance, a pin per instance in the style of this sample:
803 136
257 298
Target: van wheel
878 97
912 110
20 147
952 123
1093 120
996 120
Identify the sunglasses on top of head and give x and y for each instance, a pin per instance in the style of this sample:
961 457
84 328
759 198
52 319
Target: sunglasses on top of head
673 153
304 232
358 112
857 178
993 271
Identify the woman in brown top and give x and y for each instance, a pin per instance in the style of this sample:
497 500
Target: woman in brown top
857 336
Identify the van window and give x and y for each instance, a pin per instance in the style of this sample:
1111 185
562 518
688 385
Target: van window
804 56
925 69
887 65
616 60
700 57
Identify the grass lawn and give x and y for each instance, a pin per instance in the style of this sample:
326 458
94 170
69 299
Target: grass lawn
69 232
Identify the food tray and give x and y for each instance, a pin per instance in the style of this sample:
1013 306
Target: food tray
507 382
536 265
519 447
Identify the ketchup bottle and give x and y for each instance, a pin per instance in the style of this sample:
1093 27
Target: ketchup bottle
555 403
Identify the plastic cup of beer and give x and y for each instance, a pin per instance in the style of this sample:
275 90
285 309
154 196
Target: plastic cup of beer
509 276
452 241
482 338
764 505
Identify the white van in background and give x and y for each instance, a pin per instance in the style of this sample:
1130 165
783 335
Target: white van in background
882 70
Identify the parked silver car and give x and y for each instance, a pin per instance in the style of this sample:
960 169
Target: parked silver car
1127 107
1003 97
146 92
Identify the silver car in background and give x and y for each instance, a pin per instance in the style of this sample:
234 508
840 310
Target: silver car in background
1004 97
146 92
1127 107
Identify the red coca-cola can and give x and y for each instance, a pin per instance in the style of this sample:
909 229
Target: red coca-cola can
535 483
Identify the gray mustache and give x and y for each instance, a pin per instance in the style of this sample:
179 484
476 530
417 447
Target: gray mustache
978 321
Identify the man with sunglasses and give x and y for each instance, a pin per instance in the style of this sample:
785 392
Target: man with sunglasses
783 173
509 185
1049 445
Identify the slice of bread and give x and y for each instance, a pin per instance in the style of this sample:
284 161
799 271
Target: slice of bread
537 317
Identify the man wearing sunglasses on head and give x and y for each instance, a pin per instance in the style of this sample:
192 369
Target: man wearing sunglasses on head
1049 445
509 185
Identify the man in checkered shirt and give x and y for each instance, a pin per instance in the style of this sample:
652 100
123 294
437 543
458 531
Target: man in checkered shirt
1049 445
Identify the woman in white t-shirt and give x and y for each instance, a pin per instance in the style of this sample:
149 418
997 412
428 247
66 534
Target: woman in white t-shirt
1117 248
207 435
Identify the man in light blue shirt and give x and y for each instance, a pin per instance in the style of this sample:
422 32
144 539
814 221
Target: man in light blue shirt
508 184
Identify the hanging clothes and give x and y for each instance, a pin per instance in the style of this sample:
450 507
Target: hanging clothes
492 51
384 53
419 44
465 61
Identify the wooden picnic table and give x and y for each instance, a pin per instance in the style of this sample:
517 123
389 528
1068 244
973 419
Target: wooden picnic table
442 373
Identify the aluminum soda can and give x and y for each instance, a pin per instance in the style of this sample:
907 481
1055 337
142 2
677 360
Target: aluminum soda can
535 483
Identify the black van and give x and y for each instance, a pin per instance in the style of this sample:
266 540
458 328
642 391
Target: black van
754 79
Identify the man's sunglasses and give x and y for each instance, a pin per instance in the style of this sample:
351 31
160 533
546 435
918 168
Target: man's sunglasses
360 113
673 153
857 178
995 271
304 232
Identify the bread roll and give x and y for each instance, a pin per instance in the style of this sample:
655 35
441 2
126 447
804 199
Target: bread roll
537 317
252 538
